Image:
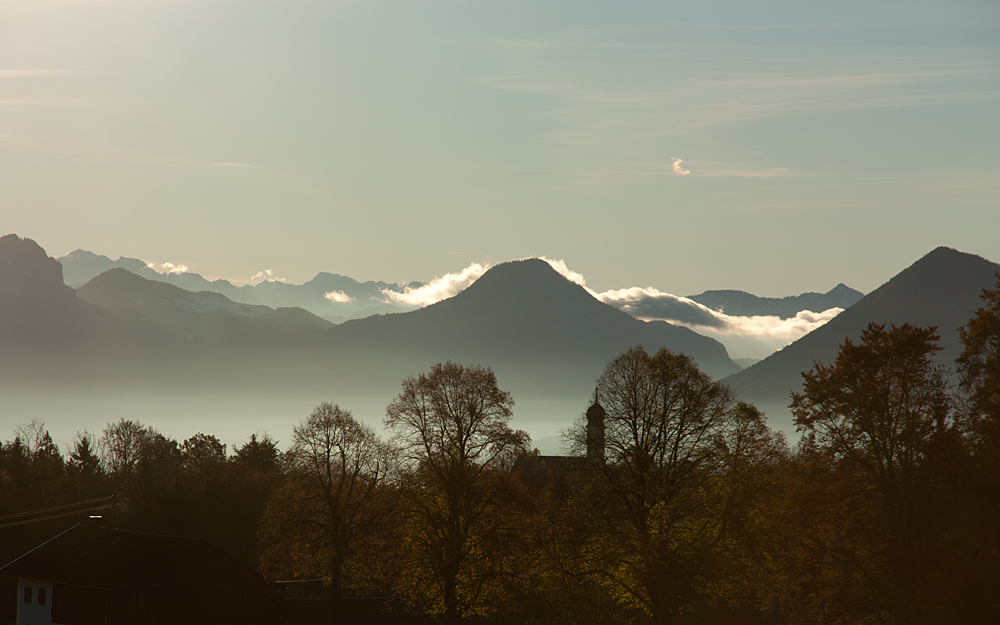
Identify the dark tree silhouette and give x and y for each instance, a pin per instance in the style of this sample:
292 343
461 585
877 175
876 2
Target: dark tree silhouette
86 476
873 417
979 374
335 492
452 427
684 461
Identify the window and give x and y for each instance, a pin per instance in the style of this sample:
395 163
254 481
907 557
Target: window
41 596
27 594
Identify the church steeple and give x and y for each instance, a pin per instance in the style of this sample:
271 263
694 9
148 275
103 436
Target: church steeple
595 430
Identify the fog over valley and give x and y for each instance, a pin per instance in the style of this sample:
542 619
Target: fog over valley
165 346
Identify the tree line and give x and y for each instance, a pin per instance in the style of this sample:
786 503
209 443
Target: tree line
694 511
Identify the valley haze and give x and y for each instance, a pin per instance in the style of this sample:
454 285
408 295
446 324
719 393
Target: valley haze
130 342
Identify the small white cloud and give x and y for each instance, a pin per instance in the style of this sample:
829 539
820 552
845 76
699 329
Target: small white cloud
338 296
448 285
167 268
265 276
172 268
678 169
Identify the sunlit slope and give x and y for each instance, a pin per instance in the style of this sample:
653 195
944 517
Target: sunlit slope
941 289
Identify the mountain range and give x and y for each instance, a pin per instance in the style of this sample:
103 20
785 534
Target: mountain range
545 336
743 304
524 318
941 289
354 298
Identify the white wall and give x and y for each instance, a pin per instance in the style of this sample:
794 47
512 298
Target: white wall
32 613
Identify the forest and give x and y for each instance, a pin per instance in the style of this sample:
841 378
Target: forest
677 505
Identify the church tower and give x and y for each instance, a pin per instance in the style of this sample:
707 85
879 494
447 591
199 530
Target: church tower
595 431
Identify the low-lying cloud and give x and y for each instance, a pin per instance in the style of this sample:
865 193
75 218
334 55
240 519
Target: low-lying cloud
753 337
338 297
680 171
650 304
448 285
744 336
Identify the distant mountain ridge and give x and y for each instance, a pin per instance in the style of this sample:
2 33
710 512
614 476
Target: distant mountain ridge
941 289
545 335
368 298
365 298
743 304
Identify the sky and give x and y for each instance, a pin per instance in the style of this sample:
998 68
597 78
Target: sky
775 147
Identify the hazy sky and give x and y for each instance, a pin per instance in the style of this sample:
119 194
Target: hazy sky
818 142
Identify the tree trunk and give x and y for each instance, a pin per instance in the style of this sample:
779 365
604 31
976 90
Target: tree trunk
451 599
335 567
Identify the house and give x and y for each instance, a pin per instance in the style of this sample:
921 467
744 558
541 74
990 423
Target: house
93 575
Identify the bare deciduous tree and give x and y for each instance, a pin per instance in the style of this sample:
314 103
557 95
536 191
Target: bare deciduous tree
336 490
452 425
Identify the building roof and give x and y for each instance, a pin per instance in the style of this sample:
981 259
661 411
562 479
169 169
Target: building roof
111 559
553 463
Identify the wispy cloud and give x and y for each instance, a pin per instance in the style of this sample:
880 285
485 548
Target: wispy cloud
338 297
608 103
563 270
438 289
651 304
774 172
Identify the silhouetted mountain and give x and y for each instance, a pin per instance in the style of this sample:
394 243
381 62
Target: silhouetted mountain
205 316
81 266
361 298
941 289
742 304
524 312
36 307
134 297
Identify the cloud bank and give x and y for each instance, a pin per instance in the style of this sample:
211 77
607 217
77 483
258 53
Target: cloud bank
754 337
